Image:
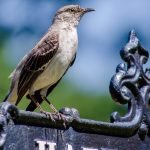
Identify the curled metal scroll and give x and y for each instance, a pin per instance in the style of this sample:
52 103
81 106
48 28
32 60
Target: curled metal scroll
7 113
130 85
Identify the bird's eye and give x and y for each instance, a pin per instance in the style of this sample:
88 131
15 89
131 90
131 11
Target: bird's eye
71 10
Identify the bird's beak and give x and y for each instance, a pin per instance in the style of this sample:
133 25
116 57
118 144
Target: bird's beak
86 10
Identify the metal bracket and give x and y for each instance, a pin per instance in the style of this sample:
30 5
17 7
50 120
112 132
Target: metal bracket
130 85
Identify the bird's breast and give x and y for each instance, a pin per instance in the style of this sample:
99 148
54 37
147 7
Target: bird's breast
68 42
56 68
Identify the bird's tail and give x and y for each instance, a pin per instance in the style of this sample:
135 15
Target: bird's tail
12 98
6 97
32 106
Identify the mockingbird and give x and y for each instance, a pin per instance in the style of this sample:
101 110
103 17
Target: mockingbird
42 68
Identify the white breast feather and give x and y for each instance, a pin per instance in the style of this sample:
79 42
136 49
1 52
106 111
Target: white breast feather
68 42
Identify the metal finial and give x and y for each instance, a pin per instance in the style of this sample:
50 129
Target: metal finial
133 37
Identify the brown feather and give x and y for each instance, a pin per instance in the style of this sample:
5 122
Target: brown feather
36 62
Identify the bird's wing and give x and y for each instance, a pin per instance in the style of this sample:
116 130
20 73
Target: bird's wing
36 62
18 66
73 60
32 106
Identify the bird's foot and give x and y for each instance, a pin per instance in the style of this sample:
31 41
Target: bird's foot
62 118
48 114
58 114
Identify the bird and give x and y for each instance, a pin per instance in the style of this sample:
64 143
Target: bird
42 68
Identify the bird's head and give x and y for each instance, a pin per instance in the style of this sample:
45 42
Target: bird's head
71 14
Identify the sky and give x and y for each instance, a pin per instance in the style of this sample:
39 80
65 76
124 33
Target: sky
102 34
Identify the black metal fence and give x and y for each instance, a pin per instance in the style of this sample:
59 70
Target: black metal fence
20 130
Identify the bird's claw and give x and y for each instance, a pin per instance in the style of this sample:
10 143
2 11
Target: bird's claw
48 114
61 117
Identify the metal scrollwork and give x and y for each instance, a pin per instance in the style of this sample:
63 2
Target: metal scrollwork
130 85
7 112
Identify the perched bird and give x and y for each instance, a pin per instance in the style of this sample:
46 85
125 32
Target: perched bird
43 67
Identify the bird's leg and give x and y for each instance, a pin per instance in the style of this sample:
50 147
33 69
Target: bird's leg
40 108
54 109
50 104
